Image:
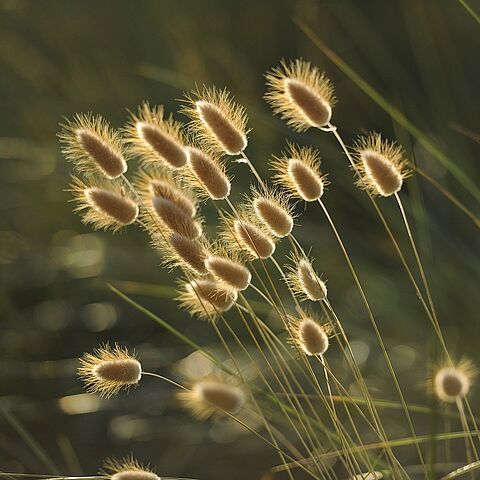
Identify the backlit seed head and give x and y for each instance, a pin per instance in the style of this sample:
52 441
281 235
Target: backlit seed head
206 298
298 171
273 211
93 146
103 204
300 94
109 370
453 382
174 218
304 280
155 139
128 469
213 396
380 164
160 183
216 120
309 335
207 174
183 252
229 272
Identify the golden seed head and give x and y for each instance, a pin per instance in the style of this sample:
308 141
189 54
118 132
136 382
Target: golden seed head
298 171
93 146
304 280
212 397
453 382
175 219
252 239
310 336
380 164
103 204
230 273
274 212
300 94
109 370
217 120
206 298
207 174
155 139
128 469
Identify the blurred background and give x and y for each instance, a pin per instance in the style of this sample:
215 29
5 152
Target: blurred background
58 58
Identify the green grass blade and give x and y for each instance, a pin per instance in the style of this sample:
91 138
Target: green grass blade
470 10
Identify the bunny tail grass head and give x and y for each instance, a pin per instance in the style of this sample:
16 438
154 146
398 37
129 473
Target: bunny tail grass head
103 204
300 94
309 335
212 396
93 146
183 252
207 174
206 298
156 139
298 171
128 469
227 268
109 370
216 120
304 280
453 382
273 211
154 182
381 165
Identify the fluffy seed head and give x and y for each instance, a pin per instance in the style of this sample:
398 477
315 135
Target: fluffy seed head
300 94
272 210
253 239
109 370
207 173
380 164
212 397
310 336
453 382
298 171
157 140
128 469
304 280
229 272
93 146
217 120
103 204
206 298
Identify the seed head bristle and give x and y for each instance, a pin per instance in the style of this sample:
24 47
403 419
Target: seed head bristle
216 120
156 139
453 382
380 164
228 271
160 183
93 146
309 335
180 251
206 298
273 211
300 94
103 204
209 397
109 370
127 469
298 171
207 174
304 281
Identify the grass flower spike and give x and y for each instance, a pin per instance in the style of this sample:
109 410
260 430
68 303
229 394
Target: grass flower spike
453 382
300 94
228 270
128 469
156 139
212 397
109 370
103 204
217 120
381 165
310 336
93 146
304 280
